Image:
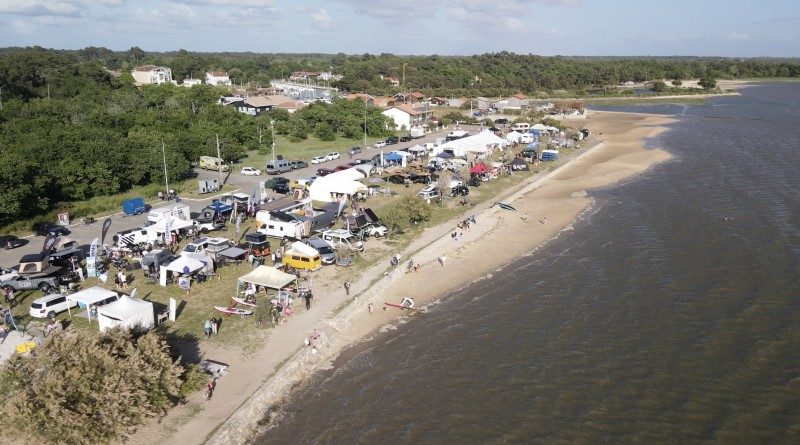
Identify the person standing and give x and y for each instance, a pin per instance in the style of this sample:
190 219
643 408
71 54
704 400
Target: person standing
307 296
212 383
347 288
369 308
207 328
11 296
215 326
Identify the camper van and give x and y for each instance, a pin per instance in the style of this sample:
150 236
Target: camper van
212 163
521 127
302 256
278 166
181 211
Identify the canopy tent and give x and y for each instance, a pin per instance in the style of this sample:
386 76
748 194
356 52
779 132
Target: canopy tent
221 207
127 313
329 188
184 263
479 143
268 277
404 154
91 296
173 222
417 148
518 164
393 156
366 169
479 169
445 155
514 136
208 262
541 128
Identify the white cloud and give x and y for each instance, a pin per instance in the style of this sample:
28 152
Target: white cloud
39 7
392 10
237 3
21 27
514 24
322 19
738 37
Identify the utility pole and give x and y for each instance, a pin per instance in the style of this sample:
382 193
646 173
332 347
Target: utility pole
403 83
272 129
365 123
164 155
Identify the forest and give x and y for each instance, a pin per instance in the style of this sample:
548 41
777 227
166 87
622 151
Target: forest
73 126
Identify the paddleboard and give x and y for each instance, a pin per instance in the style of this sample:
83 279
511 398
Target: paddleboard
233 310
242 301
398 305
503 205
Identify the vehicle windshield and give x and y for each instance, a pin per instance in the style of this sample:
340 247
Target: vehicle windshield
190 248
325 250
36 305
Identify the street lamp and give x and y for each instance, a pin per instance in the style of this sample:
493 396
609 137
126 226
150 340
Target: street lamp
272 129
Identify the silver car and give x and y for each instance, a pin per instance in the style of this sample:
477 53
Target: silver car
326 253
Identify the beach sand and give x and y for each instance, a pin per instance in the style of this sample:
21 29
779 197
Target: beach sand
265 377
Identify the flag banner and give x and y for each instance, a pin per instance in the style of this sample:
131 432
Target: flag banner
106 226
93 248
49 242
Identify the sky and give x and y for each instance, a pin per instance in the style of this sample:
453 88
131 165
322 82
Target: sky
732 28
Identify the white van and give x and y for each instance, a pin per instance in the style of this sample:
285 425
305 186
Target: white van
342 238
521 127
278 166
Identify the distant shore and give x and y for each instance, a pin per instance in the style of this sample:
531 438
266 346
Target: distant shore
545 207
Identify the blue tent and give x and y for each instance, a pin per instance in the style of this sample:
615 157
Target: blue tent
393 157
220 207
532 145
534 132
444 155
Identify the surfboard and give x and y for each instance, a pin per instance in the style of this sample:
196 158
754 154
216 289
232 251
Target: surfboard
505 206
242 301
233 310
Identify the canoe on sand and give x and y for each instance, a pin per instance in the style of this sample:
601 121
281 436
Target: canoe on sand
233 310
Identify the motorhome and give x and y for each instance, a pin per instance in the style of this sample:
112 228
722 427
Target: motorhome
212 163
278 166
181 211
281 225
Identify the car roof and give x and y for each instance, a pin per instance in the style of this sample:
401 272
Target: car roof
47 298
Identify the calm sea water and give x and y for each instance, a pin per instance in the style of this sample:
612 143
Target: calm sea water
654 320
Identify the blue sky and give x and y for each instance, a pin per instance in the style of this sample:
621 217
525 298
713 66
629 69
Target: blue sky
547 27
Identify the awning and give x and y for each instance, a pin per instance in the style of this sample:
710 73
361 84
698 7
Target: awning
269 277
90 296
183 263
479 168
232 252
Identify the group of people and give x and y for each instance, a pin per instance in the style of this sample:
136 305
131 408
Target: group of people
10 296
211 326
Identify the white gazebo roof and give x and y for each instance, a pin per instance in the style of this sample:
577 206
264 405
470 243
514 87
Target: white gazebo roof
174 223
183 262
268 276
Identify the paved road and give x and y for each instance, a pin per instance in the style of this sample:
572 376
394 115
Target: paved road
85 234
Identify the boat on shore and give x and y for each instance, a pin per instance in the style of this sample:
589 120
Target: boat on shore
233 310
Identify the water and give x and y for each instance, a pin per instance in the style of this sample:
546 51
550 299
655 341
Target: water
655 320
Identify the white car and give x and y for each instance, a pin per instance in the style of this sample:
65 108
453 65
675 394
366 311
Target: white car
377 230
250 171
50 305
319 159
332 156
380 144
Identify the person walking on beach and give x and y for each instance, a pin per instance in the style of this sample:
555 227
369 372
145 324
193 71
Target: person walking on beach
442 259
369 308
207 328
347 288
307 296
212 383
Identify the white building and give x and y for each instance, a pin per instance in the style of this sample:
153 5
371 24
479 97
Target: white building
191 82
151 75
218 78
406 117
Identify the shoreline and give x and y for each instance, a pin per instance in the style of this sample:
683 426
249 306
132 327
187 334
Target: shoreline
558 197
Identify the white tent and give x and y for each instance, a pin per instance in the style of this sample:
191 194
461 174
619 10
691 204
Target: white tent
173 222
514 136
345 182
366 169
268 276
479 143
182 262
208 262
126 312
542 127
91 296
417 148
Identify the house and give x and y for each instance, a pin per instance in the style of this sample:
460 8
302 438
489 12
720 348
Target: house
457 102
250 105
369 100
406 116
302 75
393 81
218 78
328 76
191 82
381 101
437 101
151 75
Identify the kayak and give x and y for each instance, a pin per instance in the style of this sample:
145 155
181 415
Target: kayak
399 305
242 301
505 206
233 310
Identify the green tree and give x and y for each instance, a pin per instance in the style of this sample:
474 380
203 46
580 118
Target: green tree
84 388
659 86
707 83
677 82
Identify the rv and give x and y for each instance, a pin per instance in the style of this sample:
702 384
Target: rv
212 163
278 166
278 227
181 211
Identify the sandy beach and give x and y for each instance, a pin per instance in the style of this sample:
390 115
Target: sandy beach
545 207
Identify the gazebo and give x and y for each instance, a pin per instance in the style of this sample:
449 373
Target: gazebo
91 296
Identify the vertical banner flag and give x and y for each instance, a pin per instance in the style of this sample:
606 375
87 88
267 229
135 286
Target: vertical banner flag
106 226
93 248
49 242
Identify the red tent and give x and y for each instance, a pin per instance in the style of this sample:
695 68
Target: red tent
479 168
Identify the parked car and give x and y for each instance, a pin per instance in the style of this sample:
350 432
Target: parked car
392 140
342 167
379 144
298 164
429 192
342 238
326 252
501 121
10 242
48 228
250 171
50 305
272 182
405 138
44 284
332 155
355 150
283 189
376 230
360 161
319 159
324 171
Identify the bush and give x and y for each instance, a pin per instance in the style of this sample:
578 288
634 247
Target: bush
85 388
659 86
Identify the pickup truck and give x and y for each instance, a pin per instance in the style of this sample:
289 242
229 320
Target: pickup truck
44 284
